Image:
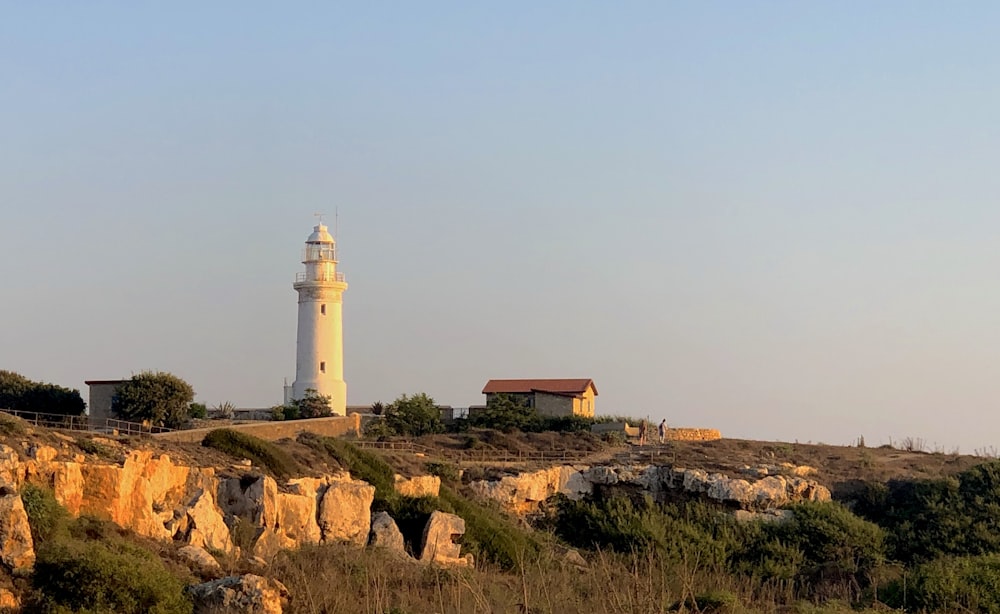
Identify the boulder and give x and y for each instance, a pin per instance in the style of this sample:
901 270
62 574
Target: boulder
17 550
417 486
385 534
438 544
247 594
9 601
345 512
197 557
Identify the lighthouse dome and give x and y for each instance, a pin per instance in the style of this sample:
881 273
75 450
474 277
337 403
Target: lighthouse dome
320 235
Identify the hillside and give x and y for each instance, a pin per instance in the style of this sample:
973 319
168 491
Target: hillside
277 524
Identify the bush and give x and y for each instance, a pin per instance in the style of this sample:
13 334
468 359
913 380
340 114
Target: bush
11 426
46 517
261 453
198 411
446 471
949 584
823 543
416 415
101 576
929 519
507 414
161 398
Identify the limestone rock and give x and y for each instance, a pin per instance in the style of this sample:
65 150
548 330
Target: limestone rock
199 557
523 493
345 512
438 544
247 594
206 528
417 486
9 601
385 534
17 550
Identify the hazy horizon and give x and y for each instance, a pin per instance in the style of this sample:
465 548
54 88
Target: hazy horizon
778 220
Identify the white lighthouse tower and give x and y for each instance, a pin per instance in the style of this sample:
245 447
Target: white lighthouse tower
319 354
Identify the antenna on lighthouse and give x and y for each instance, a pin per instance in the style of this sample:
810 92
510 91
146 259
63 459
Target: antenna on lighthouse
320 216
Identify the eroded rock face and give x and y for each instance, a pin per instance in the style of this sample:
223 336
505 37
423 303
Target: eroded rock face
344 514
158 498
247 594
523 493
385 534
438 544
418 486
17 550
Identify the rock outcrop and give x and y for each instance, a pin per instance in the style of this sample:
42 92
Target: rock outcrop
523 493
385 534
248 594
199 557
438 544
156 497
418 486
17 550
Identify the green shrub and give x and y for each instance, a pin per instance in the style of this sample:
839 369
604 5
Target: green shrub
261 453
446 471
567 424
46 517
610 522
949 584
11 426
104 577
823 543
928 519
198 411
413 415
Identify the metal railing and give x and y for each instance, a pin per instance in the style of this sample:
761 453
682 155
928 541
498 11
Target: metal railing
304 277
85 423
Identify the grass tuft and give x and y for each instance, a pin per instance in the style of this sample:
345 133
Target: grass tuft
262 453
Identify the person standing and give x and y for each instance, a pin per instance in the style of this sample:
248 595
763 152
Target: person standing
642 433
663 430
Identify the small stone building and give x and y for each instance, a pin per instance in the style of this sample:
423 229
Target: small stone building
549 397
99 405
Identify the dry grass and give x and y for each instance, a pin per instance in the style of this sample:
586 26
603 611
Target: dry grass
374 582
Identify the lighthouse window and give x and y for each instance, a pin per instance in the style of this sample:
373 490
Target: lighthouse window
322 367
322 309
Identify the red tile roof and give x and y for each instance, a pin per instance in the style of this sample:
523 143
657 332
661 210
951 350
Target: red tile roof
557 386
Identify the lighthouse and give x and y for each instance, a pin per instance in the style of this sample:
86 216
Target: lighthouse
319 351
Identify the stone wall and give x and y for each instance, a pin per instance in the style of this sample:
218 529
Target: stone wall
335 426
684 434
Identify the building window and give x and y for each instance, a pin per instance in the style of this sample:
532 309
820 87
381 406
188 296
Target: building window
322 309
322 367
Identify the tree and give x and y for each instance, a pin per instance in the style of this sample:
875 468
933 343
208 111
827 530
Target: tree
161 398
416 415
506 413
20 393
313 405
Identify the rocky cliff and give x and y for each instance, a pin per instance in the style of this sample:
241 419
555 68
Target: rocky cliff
157 497
523 493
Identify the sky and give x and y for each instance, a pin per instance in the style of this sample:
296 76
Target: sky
778 219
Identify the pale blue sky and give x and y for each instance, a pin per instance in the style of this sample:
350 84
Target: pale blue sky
778 219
